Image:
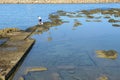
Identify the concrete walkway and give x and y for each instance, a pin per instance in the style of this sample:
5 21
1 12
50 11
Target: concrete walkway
12 52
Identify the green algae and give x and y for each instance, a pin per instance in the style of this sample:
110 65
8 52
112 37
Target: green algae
110 54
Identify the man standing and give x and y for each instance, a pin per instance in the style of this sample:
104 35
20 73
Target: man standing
40 20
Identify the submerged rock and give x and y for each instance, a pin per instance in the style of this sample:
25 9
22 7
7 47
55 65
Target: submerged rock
76 77
79 15
47 24
35 69
110 54
104 77
113 11
88 20
56 76
21 78
99 17
116 15
94 11
107 17
70 16
116 25
71 71
56 22
74 28
89 16
61 13
93 20
49 39
97 21
53 16
113 20
88 12
66 67
77 23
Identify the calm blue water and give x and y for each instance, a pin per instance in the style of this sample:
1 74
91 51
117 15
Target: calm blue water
70 53
25 15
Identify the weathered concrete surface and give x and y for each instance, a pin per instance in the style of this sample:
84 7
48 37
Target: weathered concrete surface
12 51
58 1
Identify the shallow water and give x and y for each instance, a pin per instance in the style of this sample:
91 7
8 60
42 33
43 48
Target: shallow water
2 41
65 50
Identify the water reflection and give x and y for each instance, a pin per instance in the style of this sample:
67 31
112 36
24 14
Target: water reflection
76 23
49 37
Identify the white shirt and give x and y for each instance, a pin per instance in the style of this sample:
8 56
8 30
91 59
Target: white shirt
39 17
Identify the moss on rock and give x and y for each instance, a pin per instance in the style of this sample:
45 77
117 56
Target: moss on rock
110 54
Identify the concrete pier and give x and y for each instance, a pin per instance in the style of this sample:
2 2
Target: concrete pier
13 51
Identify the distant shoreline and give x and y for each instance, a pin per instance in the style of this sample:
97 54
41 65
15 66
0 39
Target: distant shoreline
55 1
